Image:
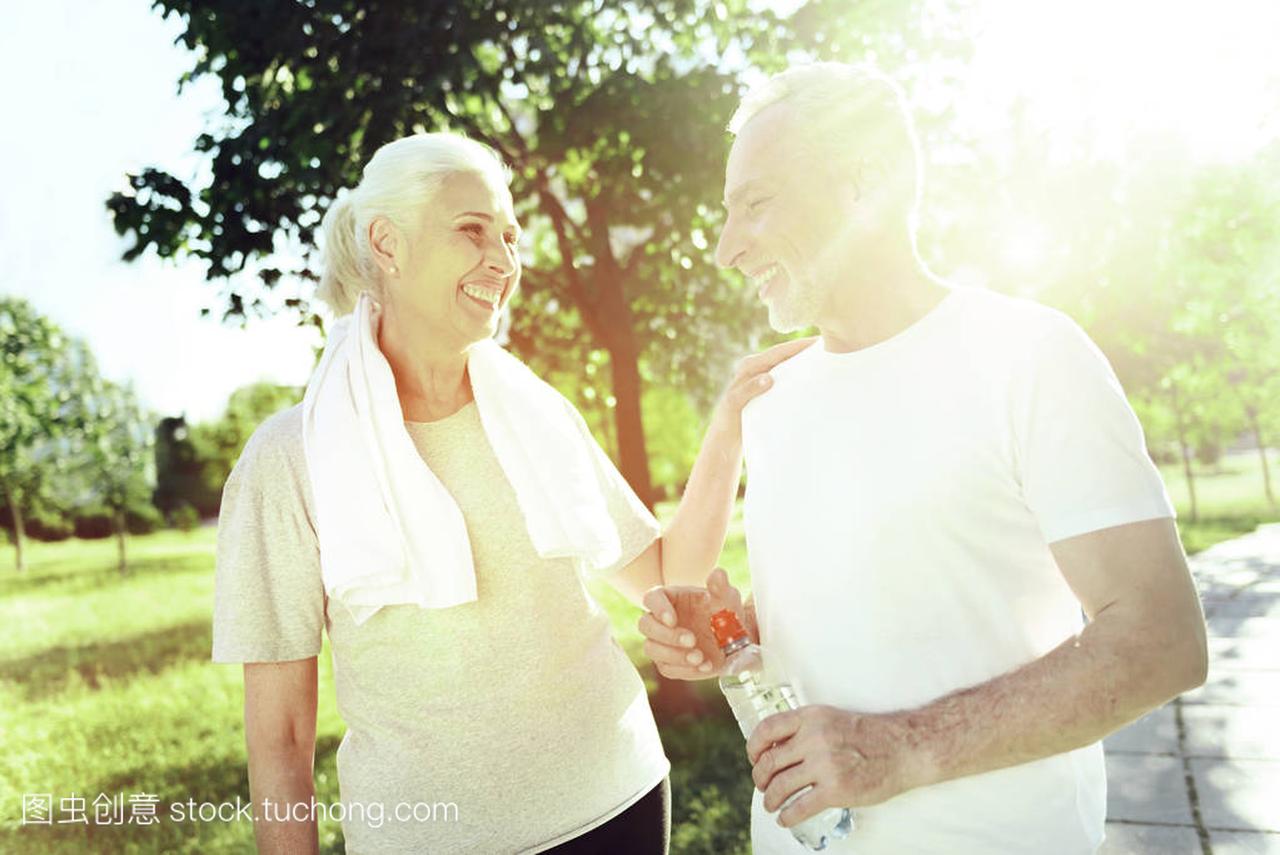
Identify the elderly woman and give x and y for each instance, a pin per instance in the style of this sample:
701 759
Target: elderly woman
433 506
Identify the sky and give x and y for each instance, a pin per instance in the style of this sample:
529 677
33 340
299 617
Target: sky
90 94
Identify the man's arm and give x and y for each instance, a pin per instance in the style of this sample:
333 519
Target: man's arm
1144 644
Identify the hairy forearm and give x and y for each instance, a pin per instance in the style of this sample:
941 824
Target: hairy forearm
1086 688
692 542
282 776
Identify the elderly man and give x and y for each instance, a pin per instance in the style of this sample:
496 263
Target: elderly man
937 490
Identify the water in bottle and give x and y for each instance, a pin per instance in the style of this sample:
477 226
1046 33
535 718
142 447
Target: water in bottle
755 693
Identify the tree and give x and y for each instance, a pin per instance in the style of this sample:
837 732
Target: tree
38 380
216 445
1217 360
1229 247
180 484
612 120
115 443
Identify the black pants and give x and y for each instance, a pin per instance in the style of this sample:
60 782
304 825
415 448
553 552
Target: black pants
642 829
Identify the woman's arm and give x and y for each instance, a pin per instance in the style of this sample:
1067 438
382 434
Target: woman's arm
280 733
689 548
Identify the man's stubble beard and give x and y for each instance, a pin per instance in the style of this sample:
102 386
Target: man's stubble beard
797 308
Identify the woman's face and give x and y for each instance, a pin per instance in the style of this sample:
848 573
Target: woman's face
461 266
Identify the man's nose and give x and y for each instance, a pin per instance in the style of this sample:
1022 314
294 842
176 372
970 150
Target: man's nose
729 247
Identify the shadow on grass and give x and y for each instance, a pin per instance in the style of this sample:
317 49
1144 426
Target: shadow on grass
98 575
50 672
215 781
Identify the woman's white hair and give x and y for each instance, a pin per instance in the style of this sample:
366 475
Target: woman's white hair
398 183
853 118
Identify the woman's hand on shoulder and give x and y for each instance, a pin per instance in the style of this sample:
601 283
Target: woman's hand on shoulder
751 378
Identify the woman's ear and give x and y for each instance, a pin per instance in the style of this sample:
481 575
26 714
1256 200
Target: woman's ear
387 245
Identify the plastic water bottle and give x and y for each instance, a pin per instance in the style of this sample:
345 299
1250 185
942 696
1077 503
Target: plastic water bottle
754 693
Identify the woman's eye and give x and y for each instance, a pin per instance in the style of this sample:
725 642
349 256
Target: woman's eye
510 238
474 230
756 205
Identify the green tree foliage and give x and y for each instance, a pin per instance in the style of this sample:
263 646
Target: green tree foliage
611 117
181 485
1205 348
75 449
115 445
220 442
38 381
194 460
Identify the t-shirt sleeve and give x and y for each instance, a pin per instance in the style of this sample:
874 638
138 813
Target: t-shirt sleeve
1082 458
637 527
268 594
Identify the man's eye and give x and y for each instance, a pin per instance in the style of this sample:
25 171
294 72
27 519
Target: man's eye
757 204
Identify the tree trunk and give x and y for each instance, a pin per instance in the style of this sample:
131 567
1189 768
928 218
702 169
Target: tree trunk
19 528
633 457
606 313
1185 448
120 537
1262 454
1191 481
616 328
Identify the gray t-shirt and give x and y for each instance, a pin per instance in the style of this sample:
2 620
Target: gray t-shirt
519 708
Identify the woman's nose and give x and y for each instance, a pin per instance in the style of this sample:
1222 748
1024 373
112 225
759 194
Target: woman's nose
502 259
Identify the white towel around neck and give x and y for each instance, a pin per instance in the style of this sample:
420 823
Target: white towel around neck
389 532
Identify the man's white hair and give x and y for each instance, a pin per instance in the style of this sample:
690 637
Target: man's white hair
399 182
850 117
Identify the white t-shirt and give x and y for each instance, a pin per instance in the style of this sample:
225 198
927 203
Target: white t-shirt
900 504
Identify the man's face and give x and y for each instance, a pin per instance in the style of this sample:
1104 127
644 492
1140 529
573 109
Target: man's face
783 225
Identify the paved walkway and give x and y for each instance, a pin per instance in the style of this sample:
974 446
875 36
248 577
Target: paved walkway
1202 773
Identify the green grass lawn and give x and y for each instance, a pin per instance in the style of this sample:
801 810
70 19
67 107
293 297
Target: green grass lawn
1230 497
106 688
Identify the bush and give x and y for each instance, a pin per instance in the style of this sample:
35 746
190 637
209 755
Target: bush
48 525
143 519
94 524
97 522
1208 453
184 517
710 787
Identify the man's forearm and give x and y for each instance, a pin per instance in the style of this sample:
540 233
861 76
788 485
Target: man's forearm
1078 693
282 777
692 543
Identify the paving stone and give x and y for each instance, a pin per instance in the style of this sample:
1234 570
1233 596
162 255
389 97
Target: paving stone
1154 733
1237 687
1243 653
1232 580
1240 733
1125 838
1247 627
1147 788
1247 604
1244 843
1238 794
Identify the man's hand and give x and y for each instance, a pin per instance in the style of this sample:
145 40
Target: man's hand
677 627
850 760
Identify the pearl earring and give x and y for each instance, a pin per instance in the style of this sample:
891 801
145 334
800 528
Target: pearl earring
392 271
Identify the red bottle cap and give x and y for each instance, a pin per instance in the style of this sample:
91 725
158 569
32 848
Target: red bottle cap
725 627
